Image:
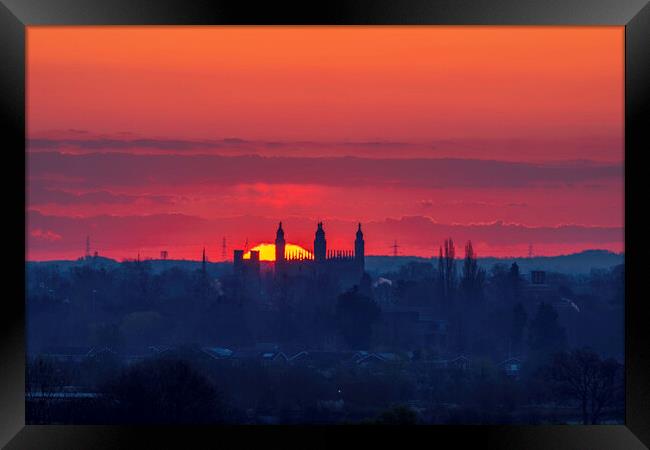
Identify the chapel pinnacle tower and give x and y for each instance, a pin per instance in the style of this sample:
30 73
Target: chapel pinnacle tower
320 244
359 249
279 244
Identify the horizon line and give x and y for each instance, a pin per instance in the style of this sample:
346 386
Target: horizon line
199 260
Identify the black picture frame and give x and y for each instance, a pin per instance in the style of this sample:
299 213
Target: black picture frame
15 15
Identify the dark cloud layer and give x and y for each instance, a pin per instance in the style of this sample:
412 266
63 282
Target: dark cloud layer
120 169
38 194
498 232
117 144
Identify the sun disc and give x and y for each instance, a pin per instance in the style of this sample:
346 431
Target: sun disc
267 251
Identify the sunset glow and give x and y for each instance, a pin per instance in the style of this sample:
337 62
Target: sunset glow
168 138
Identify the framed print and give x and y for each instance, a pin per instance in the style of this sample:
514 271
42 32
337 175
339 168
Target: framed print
364 218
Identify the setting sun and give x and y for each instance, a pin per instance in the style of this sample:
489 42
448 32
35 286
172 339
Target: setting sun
267 251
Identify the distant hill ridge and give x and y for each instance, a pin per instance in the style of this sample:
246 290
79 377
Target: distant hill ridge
581 262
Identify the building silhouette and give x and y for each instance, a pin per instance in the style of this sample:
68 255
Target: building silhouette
346 267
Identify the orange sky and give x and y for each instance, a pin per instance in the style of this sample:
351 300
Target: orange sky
406 83
543 97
